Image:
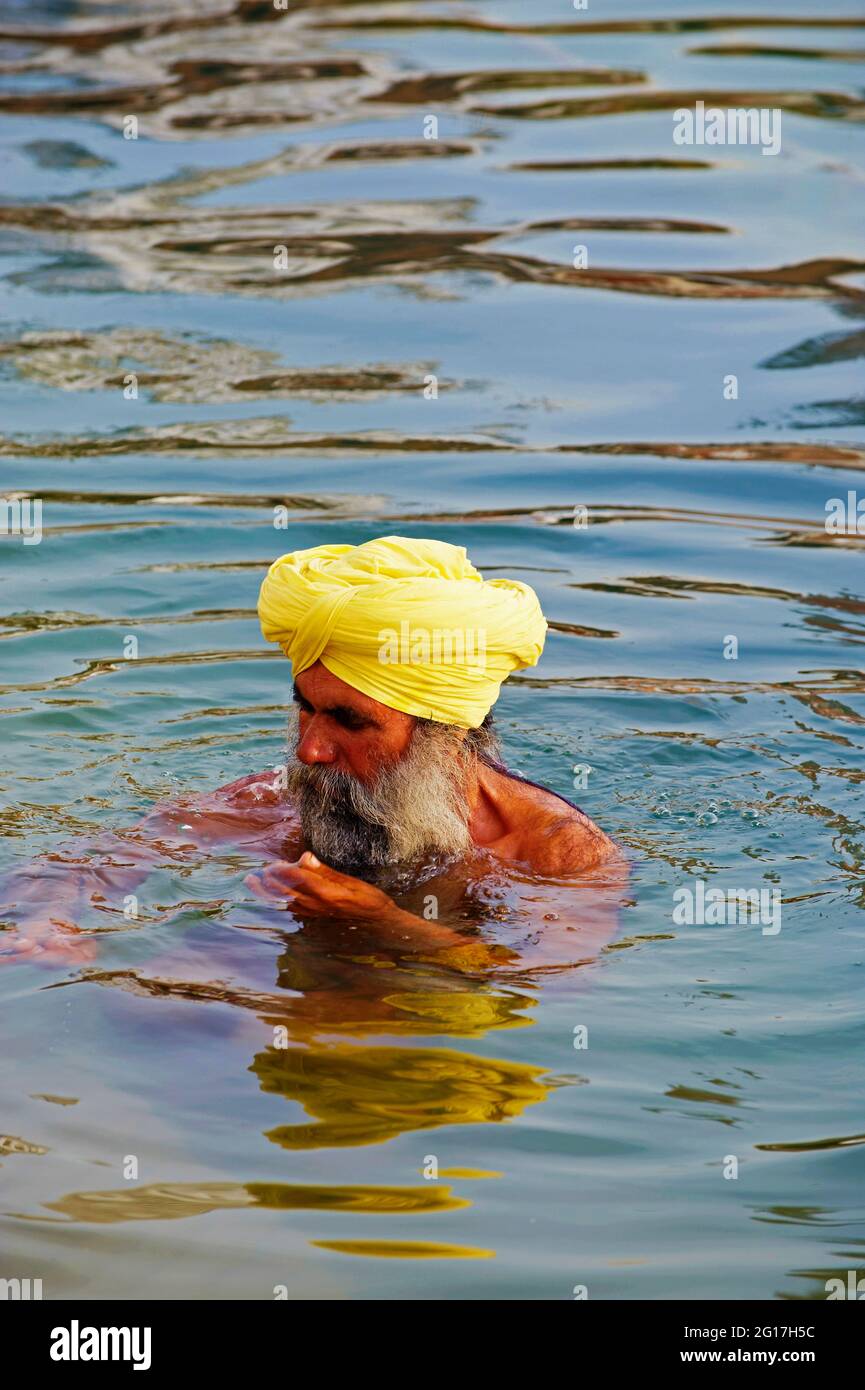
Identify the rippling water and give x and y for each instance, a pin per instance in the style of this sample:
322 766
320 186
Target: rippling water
561 386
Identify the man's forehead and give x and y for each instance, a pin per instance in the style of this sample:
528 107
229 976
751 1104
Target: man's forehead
321 687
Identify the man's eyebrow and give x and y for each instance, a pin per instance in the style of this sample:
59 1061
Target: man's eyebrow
346 715
343 713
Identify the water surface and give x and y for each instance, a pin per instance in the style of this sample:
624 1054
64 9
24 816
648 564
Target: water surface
600 387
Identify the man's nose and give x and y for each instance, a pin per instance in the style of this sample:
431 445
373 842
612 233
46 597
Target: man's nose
314 746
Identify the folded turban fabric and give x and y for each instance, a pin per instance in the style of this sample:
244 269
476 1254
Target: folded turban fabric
409 622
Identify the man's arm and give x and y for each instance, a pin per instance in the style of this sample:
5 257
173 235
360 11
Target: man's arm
559 922
313 888
43 899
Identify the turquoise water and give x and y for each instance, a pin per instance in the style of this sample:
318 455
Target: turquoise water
602 388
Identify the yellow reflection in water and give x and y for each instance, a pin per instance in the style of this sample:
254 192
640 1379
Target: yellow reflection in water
405 1249
367 1095
170 1201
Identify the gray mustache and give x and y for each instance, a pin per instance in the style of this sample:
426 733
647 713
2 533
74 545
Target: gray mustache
335 789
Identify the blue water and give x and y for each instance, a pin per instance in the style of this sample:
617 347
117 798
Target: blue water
603 387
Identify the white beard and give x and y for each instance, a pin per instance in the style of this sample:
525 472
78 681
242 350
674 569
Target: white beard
415 810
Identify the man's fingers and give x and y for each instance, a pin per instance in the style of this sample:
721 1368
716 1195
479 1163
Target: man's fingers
272 881
253 881
310 863
308 870
323 871
314 887
264 887
284 878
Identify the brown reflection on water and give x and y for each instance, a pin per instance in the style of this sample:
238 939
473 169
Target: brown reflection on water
447 86
822 105
685 25
325 995
171 1201
757 50
584 166
191 370
844 1141
266 435
150 244
669 586
831 681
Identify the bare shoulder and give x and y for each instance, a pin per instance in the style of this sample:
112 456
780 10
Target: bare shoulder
552 836
570 844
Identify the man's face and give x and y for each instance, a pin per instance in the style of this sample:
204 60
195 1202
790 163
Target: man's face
345 729
374 786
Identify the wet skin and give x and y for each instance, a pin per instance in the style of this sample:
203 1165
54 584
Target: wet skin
511 820
552 855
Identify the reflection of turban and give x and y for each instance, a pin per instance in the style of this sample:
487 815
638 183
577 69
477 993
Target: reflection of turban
408 622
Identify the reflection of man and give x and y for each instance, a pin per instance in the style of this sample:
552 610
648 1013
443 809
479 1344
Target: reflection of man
399 648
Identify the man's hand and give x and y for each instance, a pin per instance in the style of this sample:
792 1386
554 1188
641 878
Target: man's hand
315 888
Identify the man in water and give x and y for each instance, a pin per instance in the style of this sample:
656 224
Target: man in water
399 648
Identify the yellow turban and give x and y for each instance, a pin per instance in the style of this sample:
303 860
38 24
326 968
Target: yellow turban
410 623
